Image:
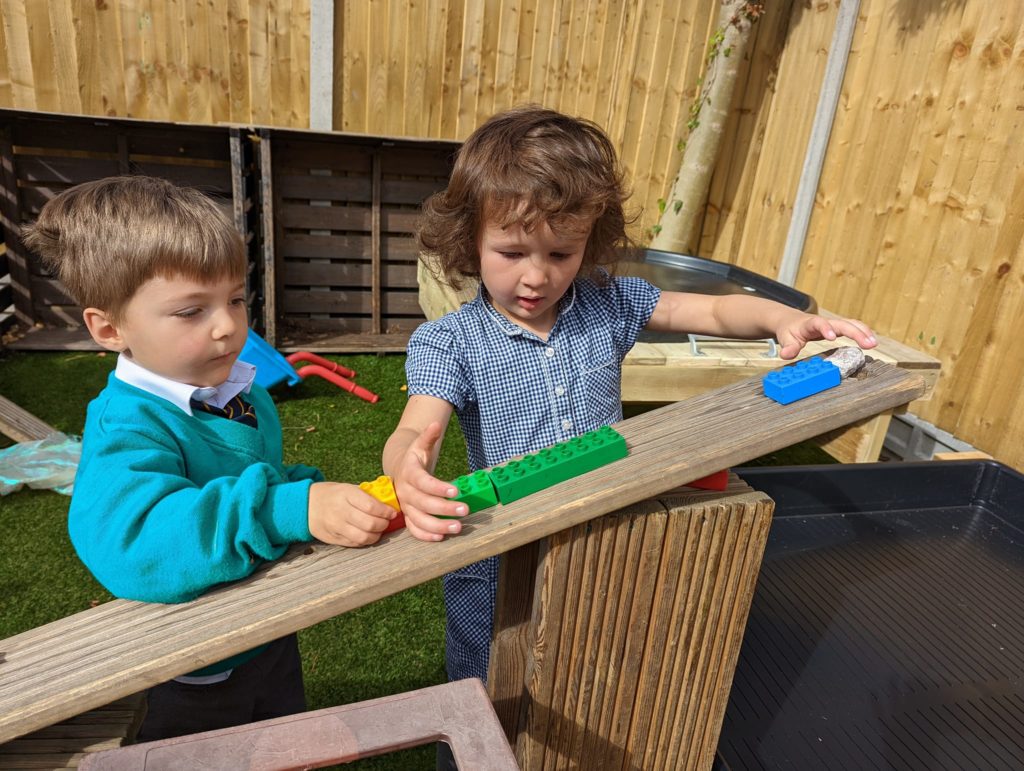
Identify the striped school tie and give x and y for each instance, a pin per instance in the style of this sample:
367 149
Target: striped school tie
236 409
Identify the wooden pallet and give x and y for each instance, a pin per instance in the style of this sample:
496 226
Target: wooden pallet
121 647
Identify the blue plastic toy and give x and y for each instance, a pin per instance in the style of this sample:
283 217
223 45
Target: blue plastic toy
800 380
273 369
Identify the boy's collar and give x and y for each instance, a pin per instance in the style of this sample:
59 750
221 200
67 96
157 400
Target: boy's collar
240 380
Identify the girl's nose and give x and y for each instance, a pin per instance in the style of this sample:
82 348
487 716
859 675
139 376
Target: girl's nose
534 274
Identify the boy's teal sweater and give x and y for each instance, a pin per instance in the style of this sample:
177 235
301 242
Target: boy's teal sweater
166 504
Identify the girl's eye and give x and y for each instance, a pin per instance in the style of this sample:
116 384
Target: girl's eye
238 301
188 313
509 255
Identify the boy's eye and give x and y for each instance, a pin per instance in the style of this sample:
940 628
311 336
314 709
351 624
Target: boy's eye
187 313
238 301
560 255
510 255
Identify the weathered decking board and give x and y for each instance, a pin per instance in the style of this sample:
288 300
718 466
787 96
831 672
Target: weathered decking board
20 424
616 640
93 657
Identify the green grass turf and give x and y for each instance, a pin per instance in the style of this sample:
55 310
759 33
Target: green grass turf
393 645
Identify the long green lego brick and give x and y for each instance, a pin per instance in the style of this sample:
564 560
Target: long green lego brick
476 491
532 473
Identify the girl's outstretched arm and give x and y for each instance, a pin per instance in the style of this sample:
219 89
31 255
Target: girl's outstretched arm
745 317
410 455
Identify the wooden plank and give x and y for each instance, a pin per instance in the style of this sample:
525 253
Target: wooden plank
375 236
269 225
394 248
513 638
20 424
349 274
11 220
349 302
293 215
18 49
121 647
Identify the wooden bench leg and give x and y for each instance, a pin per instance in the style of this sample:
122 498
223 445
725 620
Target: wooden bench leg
458 713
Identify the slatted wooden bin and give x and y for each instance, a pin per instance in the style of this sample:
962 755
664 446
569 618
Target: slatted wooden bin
42 154
339 212
623 653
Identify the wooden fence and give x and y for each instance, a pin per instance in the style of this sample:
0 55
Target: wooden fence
919 215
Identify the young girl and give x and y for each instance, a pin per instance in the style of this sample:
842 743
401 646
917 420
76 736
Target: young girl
534 209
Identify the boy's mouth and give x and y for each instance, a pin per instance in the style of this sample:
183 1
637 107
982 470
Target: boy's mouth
529 303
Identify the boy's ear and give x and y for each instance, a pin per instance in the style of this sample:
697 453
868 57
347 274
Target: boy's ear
103 330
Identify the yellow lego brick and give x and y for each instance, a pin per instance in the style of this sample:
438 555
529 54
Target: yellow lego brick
382 489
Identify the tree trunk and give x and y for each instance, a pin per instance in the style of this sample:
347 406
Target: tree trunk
679 228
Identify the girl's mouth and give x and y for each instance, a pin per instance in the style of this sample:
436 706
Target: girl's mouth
529 303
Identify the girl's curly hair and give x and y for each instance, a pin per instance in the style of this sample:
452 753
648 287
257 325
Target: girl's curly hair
527 166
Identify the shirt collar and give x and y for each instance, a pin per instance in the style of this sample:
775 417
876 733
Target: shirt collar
239 380
510 328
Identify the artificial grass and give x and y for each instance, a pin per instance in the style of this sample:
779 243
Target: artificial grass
393 645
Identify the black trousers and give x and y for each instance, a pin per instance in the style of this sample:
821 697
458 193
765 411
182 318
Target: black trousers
267 686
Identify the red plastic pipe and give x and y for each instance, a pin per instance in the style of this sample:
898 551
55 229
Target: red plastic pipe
312 358
348 385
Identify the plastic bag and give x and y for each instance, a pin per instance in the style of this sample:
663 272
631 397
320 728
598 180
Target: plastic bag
45 464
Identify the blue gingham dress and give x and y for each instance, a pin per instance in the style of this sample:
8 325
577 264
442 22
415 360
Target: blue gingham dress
515 393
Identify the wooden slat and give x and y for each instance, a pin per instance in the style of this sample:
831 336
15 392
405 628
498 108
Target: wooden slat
121 647
376 300
394 248
349 302
268 223
20 424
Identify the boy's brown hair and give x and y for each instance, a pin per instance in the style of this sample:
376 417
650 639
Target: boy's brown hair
104 239
527 166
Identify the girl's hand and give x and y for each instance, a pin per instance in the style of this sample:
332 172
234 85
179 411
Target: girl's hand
798 328
422 495
343 514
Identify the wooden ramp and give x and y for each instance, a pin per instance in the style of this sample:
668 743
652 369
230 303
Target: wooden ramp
91 658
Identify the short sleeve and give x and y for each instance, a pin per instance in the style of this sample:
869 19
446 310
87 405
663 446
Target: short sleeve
435 363
634 300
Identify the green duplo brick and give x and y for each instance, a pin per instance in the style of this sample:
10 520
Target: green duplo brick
519 478
476 491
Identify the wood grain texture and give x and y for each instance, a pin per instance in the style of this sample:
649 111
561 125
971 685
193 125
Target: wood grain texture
634 631
91 658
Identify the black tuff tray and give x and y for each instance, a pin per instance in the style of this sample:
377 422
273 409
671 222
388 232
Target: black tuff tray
887 627
683 273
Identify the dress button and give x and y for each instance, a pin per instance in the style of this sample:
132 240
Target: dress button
559 390
549 352
566 424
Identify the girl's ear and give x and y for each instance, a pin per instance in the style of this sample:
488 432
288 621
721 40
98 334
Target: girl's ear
103 330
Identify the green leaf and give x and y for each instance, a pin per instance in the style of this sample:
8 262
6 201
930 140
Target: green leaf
676 207
661 205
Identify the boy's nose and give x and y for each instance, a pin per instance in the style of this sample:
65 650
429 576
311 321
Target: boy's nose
224 325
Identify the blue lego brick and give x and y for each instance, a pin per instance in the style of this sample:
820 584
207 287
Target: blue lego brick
519 478
476 491
800 380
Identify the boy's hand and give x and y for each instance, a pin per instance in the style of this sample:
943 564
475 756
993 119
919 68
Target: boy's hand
343 514
422 495
798 328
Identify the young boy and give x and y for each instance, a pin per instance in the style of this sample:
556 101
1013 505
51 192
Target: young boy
181 483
